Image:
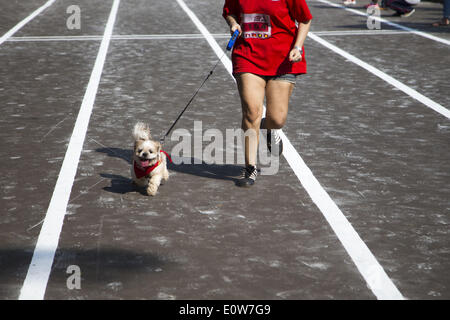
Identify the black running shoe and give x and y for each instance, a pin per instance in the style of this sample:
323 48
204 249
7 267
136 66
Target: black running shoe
273 133
277 142
248 176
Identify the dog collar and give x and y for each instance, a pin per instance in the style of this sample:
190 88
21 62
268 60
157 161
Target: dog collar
168 157
142 172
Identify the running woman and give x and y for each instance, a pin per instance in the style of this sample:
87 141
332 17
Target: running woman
267 57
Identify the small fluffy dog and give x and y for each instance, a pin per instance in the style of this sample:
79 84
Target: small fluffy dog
149 161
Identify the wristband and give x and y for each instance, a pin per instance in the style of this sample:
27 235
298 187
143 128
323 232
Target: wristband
299 49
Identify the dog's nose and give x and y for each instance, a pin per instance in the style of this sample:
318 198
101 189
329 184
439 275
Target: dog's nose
145 154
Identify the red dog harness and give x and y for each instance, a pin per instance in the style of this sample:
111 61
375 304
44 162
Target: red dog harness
144 171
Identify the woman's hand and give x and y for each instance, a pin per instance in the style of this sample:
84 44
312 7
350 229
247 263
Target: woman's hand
295 55
303 28
234 27
232 22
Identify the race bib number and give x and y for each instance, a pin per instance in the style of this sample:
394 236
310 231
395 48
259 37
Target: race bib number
256 25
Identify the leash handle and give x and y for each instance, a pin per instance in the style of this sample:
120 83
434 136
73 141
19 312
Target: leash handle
232 40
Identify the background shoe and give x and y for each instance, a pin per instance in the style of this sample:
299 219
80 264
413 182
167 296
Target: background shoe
349 2
406 15
442 22
367 6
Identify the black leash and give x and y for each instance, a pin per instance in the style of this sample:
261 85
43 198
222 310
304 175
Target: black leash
229 46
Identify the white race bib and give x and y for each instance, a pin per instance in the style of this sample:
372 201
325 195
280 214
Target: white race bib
256 25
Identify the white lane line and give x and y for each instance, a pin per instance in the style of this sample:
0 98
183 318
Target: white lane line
189 36
54 38
115 37
164 36
36 280
167 36
369 267
393 24
399 85
360 32
18 26
208 36
374 274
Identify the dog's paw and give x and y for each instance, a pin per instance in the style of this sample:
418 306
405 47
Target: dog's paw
152 189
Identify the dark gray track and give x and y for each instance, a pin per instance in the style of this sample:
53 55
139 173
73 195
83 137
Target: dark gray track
382 156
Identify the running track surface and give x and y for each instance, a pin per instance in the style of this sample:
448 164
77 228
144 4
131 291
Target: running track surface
371 221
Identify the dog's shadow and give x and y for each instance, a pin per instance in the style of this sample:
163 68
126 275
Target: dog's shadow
122 185
119 184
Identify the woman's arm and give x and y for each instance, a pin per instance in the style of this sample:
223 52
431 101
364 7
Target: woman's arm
303 28
232 22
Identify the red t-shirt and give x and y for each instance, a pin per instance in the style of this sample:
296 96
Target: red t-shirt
269 32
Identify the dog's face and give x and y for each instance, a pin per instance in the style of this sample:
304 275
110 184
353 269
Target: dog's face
146 152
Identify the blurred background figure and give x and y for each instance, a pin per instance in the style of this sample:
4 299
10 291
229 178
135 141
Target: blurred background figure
445 20
374 3
402 8
353 2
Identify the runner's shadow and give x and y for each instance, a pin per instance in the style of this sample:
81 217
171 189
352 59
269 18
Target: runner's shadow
214 171
193 166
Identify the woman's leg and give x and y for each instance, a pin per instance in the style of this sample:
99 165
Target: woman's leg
278 93
447 9
446 16
251 90
400 6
